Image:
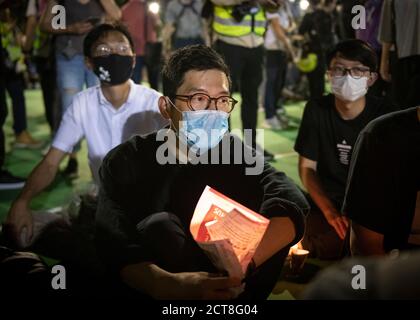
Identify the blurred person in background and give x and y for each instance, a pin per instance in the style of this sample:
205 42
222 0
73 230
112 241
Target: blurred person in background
12 40
39 46
143 24
278 50
239 28
183 25
7 180
399 33
318 30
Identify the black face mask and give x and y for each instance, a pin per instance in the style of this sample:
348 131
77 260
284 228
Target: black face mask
113 69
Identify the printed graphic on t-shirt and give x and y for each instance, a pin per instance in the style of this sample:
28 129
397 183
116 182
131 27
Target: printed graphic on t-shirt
344 152
415 227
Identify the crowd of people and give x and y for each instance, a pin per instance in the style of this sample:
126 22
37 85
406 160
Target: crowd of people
358 142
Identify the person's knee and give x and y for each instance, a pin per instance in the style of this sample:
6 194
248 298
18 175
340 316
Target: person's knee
161 224
324 245
166 241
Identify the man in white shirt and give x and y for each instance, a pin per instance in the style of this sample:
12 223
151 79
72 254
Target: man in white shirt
105 115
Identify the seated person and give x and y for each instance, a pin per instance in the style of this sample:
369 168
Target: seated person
327 134
145 207
105 115
383 192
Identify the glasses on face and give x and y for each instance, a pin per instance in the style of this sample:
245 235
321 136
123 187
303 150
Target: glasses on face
356 72
120 48
202 101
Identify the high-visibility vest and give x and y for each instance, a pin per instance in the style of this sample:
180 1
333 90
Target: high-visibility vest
9 43
225 25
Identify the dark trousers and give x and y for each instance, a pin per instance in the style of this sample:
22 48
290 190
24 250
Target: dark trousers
316 78
245 65
167 242
405 82
3 115
15 88
172 247
152 72
48 80
320 238
160 237
276 67
138 69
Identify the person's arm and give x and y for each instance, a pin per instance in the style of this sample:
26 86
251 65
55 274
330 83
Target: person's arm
370 182
280 233
160 284
281 35
19 216
285 205
169 28
205 32
305 25
167 32
308 147
31 24
384 67
310 179
112 11
386 36
69 133
74 28
365 242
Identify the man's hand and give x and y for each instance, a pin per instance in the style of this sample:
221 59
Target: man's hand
339 222
80 27
198 285
18 219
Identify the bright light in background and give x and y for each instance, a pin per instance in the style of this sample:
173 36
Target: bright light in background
154 7
304 4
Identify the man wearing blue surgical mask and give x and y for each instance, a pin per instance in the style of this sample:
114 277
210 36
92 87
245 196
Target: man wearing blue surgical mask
328 132
145 206
199 115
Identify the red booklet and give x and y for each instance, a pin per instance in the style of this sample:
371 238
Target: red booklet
227 231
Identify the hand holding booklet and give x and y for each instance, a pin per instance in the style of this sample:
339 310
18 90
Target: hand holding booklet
228 232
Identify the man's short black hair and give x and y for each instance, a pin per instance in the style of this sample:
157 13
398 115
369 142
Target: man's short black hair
355 50
194 57
101 31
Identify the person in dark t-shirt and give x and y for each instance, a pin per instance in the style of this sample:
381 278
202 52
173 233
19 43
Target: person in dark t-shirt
326 138
383 192
146 203
317 28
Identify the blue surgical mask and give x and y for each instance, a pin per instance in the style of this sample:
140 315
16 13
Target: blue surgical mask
202 130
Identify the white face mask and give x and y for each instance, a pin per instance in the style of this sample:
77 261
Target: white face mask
347 88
